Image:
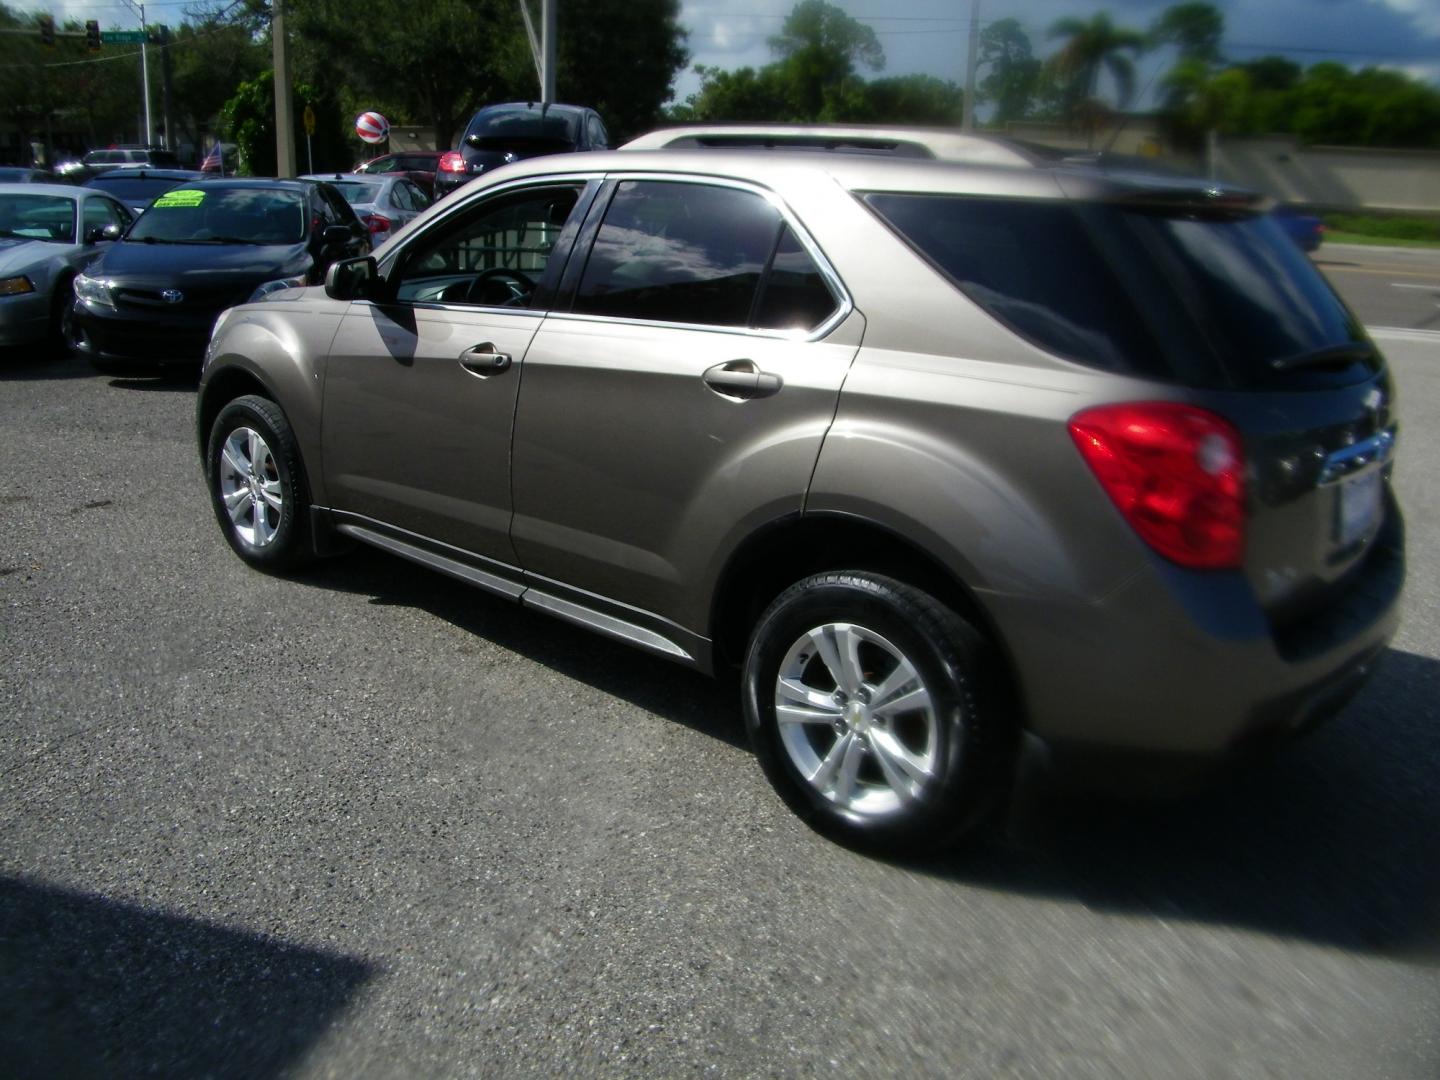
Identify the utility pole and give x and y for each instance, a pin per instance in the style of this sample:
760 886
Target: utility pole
549 39
967 122
139 10
165 76
284 114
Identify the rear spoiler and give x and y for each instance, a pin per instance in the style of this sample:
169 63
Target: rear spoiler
1156 191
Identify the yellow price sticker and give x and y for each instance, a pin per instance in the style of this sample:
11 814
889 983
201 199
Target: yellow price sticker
187 198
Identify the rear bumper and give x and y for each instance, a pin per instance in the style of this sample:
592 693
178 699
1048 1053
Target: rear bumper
1185 666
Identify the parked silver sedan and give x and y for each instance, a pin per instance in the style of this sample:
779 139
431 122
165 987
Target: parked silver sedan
383 202
49 233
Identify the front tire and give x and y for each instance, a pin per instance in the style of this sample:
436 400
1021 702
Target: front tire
874 711
257 485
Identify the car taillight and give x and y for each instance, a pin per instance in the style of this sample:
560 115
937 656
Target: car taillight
452 161
376 223
1176 474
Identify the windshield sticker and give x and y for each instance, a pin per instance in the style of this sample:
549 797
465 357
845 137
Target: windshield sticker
187 198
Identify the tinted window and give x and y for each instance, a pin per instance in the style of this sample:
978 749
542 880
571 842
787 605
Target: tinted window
491 257
1253 293
356 191
37 217
684 253
103 212
795 296
218 215
1033 266
524 126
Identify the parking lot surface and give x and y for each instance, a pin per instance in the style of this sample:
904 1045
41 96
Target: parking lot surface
367 822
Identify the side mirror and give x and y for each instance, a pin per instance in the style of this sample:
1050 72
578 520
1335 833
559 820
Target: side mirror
95 233
335 236
351 279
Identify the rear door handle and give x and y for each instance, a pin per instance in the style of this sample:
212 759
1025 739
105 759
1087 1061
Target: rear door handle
742 379
484 360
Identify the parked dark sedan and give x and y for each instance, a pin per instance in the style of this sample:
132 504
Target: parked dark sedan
201 248
138 188
499 134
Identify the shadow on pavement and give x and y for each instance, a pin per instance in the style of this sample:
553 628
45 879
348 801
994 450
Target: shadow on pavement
658 686
41 363
1336 839
97 988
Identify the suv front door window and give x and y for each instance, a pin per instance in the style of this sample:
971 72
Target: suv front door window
435 368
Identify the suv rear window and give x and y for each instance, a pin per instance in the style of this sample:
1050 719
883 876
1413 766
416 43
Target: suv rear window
1203 298
1031 265
524 127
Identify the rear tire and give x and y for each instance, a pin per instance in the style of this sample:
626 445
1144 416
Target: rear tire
257 485
874 711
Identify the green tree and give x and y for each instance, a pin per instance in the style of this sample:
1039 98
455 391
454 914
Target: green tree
1013 71
434 62
736 96
620 57
209 60
1092 48
819 47
1195 29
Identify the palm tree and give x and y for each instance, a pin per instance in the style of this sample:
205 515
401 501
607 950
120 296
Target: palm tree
1095 46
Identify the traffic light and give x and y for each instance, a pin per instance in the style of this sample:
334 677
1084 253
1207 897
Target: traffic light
92 35
47 30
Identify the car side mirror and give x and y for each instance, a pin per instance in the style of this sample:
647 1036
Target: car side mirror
351 279
95 233
335 236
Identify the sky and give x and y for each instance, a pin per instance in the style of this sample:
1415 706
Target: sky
930 36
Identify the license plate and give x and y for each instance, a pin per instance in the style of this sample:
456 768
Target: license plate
1361 499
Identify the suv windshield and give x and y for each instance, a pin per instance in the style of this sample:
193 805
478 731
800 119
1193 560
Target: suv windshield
524 127
197 215
1202 298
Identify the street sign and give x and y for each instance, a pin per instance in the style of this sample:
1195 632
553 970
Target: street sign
309 118
123 37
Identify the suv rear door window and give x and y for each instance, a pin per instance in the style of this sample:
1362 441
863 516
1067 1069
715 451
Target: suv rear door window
1031 265
680 253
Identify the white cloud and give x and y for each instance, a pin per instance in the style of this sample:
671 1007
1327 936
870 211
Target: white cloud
1424 13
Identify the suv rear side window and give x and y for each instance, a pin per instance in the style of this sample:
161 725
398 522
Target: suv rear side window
1031 265
700 254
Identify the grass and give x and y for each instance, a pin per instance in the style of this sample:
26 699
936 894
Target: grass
1336 236
1398 229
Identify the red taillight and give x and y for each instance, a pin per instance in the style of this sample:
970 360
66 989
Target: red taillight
1175 472
452 161
376 223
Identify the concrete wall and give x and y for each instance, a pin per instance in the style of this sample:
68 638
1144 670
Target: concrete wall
1333 177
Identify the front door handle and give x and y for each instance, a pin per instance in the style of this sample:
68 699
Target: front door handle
484 360
742 379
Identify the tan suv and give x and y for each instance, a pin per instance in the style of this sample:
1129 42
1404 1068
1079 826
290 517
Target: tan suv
939 455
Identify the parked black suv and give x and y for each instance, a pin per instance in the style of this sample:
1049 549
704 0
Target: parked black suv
499 134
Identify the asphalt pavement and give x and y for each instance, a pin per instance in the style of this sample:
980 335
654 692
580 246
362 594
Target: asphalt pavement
366 822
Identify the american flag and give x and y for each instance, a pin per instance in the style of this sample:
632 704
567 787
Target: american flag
214 161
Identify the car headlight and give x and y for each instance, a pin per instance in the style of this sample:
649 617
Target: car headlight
15 286
275 286
95 291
